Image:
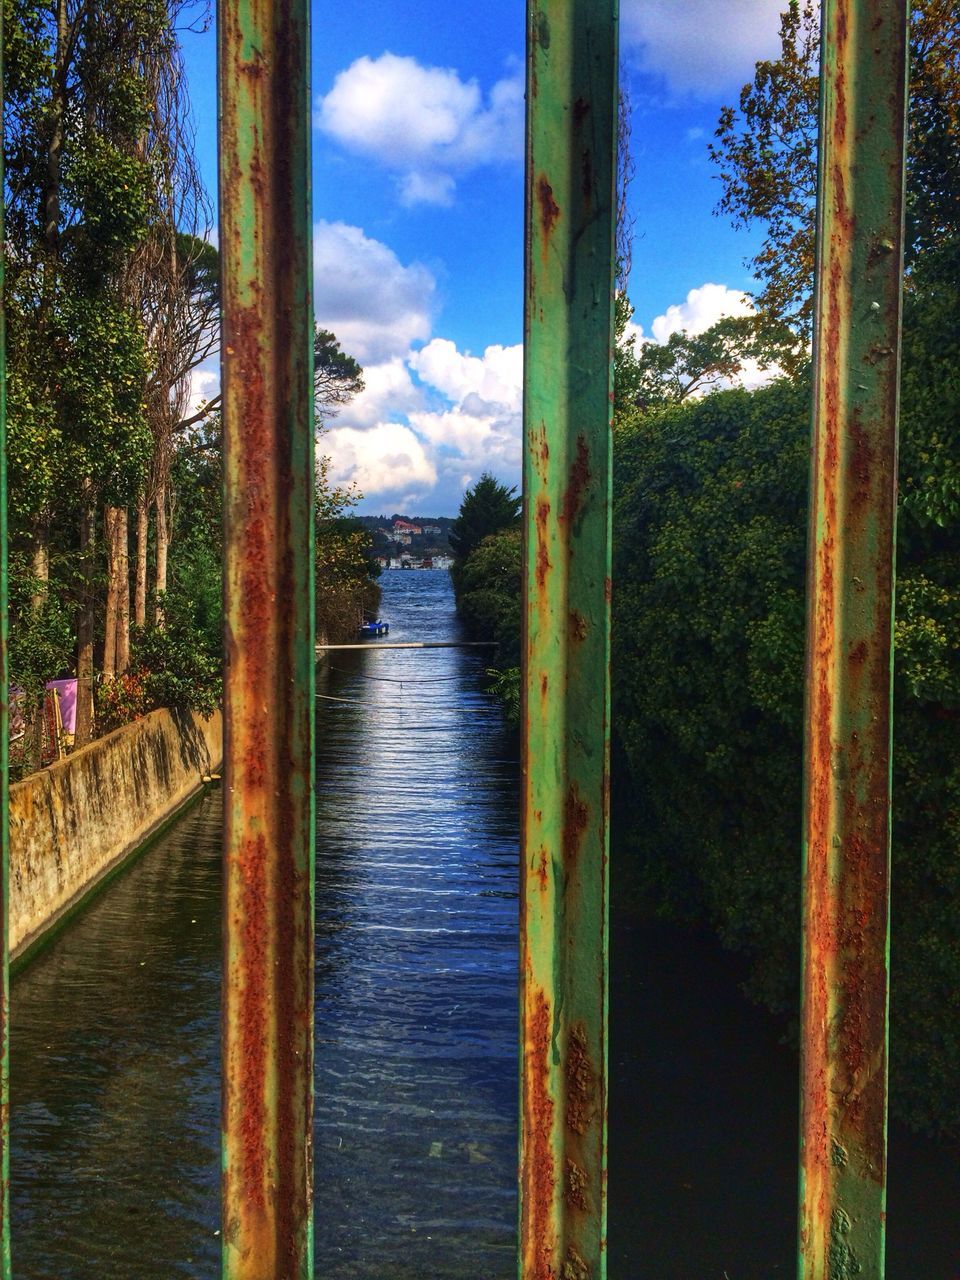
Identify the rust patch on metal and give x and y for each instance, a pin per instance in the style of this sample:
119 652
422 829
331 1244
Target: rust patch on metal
543 555
576 816
578 626
574 1267
581 1082
575 1193
538 1173
577 484
549 209
543 870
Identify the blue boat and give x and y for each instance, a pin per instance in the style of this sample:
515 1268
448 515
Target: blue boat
377 628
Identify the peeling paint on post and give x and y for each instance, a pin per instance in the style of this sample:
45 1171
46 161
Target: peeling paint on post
849 640
571 156
268 696
4 768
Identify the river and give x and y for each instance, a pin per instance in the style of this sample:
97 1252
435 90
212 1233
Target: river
115 1037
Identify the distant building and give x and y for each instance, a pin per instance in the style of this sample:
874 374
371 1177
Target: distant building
432 529
405 527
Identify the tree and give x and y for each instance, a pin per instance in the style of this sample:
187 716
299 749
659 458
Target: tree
767 154
652 374
487 507
710 513
77 188
337 377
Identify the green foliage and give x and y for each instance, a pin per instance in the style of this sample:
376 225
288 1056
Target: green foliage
489 605
177 663
337 377
346 573
487 507
710 543
652 374
121 700
41 632
930 454
766 151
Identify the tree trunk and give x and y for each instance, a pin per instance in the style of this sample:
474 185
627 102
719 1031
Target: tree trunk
140 581
40 560
122 562
40 569
163 543
83 732
110 615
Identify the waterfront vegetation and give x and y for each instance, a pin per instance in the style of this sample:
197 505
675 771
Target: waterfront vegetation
710 503
112 305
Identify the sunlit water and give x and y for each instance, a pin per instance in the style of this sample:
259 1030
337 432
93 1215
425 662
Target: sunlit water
115 1028
115 1038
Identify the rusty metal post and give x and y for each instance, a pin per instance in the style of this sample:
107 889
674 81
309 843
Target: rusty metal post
571 162
268 415
849 640
4 764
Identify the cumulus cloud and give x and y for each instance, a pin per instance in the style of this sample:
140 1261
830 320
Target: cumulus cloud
702 46
387 462
204 385
424 123
701 309
495 379
460 415
375 304
481 426
388 391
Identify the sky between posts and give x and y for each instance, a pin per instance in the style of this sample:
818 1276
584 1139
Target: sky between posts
418 213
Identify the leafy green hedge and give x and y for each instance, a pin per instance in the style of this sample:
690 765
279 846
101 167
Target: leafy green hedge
710 534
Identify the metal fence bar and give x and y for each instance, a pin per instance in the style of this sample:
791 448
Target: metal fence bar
571 150
849 640
265 247
4 761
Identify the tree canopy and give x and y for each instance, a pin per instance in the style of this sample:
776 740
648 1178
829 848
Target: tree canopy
766 152
487 507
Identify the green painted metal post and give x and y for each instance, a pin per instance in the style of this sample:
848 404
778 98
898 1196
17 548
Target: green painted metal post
571 162
4 763
849 640
268 412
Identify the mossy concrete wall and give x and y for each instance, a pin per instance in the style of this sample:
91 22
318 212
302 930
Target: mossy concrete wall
75 822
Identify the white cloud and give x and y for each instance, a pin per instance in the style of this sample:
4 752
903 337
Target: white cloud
204 385
388 461
462 416
703 307
374 304
388 391
424 123
496 379
702 46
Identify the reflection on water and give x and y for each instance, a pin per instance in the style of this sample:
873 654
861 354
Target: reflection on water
416 958
115 1041
115 1058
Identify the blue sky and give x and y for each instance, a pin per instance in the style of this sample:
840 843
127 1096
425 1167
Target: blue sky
418 204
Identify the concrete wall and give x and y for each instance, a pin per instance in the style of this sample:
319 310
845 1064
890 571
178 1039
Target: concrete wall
73 823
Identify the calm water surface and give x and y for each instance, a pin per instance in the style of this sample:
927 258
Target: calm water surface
115 1038
115 1032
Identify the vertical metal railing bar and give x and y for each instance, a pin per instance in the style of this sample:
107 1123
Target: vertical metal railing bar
4 752
850 639
569 274
268 431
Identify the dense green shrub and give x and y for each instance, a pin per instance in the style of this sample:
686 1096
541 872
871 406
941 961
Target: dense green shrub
488 601
178 663
710 536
